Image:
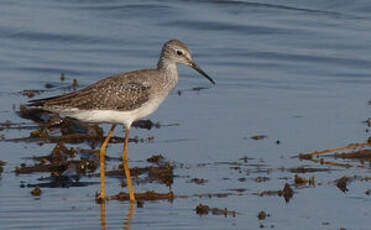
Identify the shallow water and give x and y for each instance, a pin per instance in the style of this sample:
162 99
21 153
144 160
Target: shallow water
295 72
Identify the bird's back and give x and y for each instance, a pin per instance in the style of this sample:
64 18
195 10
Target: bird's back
123 92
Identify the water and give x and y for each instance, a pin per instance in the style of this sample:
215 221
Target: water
298 72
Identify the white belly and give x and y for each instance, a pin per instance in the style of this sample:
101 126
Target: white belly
115 117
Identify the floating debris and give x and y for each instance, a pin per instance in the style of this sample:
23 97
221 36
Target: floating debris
194 89
302 169
62 77
225 212
262 215
309 156
286 192
260 179
50 85
300 180
30 93
37 115
162 173
361 154
204 210
150 195
342 184
157 159
368 122
75 84
238 190
2 164
64 170
269 193
42 133
217 195
245 159
146 124
258 137
198 180
312 181
36 191
199 88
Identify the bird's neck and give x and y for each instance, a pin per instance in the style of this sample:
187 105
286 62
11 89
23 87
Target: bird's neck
170 72
165 63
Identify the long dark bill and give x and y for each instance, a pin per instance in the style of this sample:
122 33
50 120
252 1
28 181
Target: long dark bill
198 69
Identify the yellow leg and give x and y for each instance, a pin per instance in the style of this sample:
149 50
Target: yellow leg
126 167
103 215
102 153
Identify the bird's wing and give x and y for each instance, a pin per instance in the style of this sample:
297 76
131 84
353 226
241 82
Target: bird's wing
123 94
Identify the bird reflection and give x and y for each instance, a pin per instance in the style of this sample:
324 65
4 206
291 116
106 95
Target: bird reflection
127 221
129 216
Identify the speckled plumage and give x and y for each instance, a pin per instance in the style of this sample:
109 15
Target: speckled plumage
121 92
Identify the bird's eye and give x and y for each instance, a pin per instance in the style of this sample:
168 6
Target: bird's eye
180 53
